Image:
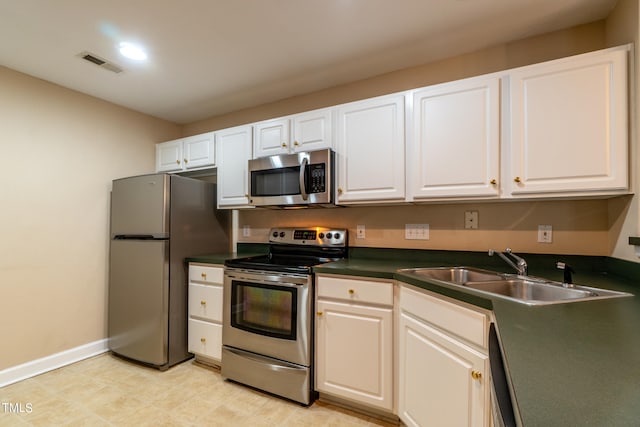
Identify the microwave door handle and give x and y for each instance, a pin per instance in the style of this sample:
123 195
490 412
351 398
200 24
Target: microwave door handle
303 185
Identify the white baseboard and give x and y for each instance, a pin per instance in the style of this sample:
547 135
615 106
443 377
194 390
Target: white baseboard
54 361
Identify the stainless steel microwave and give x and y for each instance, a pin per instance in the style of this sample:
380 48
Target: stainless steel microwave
300 179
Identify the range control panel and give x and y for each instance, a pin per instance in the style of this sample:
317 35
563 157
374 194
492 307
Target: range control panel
313 236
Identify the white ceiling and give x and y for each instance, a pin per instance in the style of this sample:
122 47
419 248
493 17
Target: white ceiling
209 57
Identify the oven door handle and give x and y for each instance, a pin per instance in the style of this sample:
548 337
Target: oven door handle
266 361
303 185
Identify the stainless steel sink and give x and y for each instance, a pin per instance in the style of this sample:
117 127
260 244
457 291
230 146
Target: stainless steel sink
456 275
522 289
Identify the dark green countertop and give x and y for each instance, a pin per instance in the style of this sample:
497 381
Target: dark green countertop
244 250
574 364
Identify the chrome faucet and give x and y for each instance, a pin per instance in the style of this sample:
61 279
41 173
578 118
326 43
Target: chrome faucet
520 264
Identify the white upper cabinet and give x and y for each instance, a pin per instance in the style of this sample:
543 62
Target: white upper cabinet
272 137
454 149
370 150
169 156
313 130
233 152
193 152
301 132
199 151
568 126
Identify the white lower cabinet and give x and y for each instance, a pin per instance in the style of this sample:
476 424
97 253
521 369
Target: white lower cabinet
443 362
205 312
354 340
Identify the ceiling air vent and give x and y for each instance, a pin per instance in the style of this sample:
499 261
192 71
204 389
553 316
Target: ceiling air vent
100 62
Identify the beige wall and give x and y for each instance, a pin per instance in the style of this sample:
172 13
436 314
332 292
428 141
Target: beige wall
60 150
579 227
579 39
624 218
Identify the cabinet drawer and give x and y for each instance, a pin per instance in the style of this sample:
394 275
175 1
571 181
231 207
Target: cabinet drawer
362 291
205 338
456 319
205 274
205 301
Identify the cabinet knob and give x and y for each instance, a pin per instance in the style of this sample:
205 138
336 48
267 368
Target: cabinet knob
296 143
319 313
284 145
493 182
476 375
186 161
339 190
203 302
204 276
203 340
517 179
351 292
177 162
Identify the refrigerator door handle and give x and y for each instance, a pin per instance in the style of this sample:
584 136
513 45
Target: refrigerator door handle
159 236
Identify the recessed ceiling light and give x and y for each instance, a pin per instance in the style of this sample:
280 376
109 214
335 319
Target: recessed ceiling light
132 51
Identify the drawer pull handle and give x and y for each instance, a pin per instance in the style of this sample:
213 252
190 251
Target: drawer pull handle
204 276
476 375
351 292
203 340
203 302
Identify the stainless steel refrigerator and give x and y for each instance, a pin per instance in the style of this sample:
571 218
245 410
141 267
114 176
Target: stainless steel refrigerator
156 222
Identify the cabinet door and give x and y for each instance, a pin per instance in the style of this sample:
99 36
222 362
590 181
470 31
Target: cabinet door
205 339
455 146
354 352
370 148
205 302
169 156
441 381
233 151
271 138
569 125
312 130
199 151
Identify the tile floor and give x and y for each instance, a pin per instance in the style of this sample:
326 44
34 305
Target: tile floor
108 391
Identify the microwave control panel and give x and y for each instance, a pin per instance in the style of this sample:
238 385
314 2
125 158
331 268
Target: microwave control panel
316 178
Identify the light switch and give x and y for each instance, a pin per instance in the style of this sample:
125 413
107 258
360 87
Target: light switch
416 231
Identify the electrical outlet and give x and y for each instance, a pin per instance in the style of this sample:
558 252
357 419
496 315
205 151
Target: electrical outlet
360 231
246 231
416 231
545 234
471 220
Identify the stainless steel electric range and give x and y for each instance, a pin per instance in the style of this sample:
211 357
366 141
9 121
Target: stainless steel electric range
267 331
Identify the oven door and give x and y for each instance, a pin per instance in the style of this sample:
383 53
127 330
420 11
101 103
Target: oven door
268 313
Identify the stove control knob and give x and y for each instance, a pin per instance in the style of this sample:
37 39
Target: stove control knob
282 234
275 234
336 235
321 235
329 235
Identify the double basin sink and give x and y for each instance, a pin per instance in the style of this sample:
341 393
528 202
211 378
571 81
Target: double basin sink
522 289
